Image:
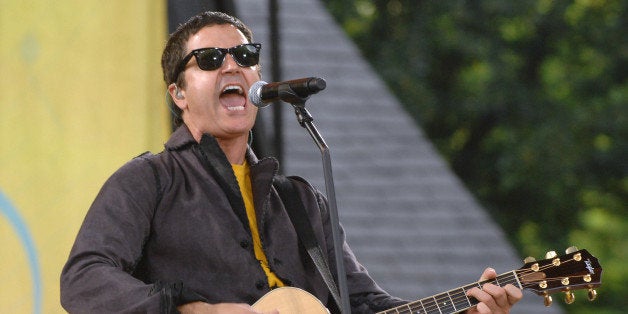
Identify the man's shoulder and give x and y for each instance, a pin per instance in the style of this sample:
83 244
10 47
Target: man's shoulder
138 166
309 193
301 183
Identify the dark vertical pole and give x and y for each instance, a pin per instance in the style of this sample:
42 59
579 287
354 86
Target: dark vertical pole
180 11
275 57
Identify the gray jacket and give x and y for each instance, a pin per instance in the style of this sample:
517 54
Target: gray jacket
171 228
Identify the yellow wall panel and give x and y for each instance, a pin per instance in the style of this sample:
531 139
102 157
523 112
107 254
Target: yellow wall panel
82 93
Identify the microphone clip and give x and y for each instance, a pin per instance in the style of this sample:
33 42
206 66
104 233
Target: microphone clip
287 94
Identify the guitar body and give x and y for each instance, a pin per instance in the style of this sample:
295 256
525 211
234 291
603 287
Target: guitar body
290 300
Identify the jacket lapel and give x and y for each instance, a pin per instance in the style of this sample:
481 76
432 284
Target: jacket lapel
262 175
220 169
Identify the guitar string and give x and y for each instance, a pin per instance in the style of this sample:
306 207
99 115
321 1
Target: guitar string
429 306
434 304
507 278
545 267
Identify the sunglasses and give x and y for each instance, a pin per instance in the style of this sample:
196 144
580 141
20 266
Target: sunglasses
209 59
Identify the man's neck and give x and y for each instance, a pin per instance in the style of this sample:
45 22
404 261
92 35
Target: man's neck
234 149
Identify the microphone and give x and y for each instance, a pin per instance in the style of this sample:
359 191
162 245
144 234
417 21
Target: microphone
262 93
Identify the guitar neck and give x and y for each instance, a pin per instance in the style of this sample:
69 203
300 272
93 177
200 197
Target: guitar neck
573 271
455 300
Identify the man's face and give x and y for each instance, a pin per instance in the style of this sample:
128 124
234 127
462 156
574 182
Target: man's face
216 101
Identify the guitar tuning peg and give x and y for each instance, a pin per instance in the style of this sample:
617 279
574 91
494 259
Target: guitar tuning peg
529 259
550 254
547 300
592 294
571 249
569 297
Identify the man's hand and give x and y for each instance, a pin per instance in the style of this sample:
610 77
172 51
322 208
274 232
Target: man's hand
206 308
494 299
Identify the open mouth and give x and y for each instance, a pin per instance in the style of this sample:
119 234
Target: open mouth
232 97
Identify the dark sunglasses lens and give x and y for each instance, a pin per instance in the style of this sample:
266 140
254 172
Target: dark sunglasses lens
209 59
246 55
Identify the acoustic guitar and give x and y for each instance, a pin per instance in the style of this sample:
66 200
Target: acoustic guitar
575 270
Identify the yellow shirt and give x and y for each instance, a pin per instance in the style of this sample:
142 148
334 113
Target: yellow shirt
242 173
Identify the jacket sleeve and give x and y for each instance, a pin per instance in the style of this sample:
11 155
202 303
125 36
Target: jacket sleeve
365 296
97 278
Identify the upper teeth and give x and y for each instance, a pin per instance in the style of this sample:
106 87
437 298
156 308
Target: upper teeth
232 88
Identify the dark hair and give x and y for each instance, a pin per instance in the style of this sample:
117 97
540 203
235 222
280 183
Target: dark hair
175 48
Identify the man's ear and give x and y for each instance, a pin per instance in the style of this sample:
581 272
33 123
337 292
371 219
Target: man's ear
177 95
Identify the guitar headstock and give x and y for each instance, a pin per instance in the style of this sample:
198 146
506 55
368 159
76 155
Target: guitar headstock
575 270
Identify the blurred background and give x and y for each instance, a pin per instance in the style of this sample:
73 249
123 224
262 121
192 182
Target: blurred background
526 102
82 94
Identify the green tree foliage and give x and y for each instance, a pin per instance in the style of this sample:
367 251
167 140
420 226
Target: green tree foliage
528 101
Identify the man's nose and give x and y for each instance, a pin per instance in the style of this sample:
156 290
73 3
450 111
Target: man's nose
229 64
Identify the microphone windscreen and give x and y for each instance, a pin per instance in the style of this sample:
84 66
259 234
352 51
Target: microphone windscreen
255 94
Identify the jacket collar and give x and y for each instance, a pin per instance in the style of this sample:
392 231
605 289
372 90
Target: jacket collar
180 138
211 155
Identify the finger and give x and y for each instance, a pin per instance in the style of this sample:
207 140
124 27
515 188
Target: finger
513 294
498 295
483 308
483 298
489 273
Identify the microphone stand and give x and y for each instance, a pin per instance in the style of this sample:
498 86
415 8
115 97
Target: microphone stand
305 119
